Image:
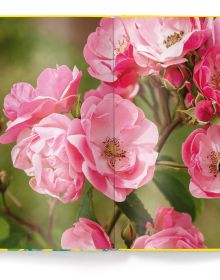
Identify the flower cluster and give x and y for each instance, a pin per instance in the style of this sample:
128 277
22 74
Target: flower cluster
172 230
111 143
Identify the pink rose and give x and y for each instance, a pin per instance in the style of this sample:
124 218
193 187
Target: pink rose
215 40
172 230
128 92
189 100
174 77
44 153
204 111
117 145
207 74
56 92
168 40
109 53
85 235
201 154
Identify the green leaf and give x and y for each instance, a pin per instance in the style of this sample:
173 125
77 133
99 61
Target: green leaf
76 108
85 206
174 184
190 112
134 209
4 229
215 120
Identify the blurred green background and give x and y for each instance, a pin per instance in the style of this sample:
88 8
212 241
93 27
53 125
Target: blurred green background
27 46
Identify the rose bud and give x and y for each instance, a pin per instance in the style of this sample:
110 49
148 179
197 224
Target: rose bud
189 99
174 77
204 111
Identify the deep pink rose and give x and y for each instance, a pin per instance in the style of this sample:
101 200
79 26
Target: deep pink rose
168 40
174 77
201 154
172 230
56 92
117 145
44 153
85 235
216 32
109 53
207 74
104 88
204 111
189 100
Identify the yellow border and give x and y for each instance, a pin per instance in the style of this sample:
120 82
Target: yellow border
120 250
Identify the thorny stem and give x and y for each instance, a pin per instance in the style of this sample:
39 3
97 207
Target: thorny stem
27 224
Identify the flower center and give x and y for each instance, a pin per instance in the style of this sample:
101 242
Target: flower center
173 39
112 150
214 167
122 45
215 80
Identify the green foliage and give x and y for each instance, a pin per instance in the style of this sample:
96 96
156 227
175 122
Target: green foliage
86 206
4 229
174 184
133 208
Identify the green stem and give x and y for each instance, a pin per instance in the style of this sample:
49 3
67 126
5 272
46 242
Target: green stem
114 220
171 164
166 133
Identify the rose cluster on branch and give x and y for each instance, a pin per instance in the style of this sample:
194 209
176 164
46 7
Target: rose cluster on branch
109 141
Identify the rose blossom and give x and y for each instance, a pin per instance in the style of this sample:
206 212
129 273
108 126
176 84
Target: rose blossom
172 230
207 74
44 153
119 158
86 235
204 110
168 40
109 53
56 92
201 154
104 88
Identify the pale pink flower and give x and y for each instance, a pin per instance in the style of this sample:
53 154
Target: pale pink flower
56 92
172 230
117 145
201 154
207 74
44 153
109 53
128 92
85 235
204 111
168 40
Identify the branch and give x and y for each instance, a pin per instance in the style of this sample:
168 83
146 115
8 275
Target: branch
27 224
166 133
